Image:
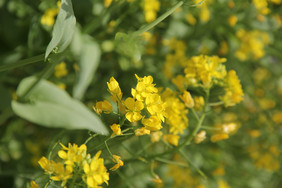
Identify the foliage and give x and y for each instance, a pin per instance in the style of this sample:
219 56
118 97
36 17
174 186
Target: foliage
140 93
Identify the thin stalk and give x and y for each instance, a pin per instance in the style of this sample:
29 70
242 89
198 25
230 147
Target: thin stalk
158 20
45 74
171 162
188 161
194 132
90 138
23 62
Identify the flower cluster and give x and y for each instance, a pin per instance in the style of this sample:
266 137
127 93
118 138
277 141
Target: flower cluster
75 159
252 44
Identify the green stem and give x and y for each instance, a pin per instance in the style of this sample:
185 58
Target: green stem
194 132
171 162
90 138
158 20
45 74
216 103
21 63
190 162
195 114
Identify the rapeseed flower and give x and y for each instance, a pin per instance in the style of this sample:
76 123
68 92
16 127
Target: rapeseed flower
117 160
116 130
95 172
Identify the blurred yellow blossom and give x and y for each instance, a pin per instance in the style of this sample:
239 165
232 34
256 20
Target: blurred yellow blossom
191 19
33 184
233 92
61 70
151 7
218 137
199 103
117 160
200 137
172 139
187 99
252 44
232 20
141 131
261 6
116 130
103 106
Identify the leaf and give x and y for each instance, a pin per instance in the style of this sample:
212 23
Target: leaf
89 59
63 29
52 107
129 45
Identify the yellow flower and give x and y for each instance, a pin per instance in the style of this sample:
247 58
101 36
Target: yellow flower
261 6
180 82
47 165
116 130
187 99
57 170
61 173
153 123
143 88
233 92
114 89
134 109
72 154
199 103
172 139
61 86
251 44
191 19
155 106
222 184
175 112
49 16
229 128
95 172
117 160
200 137
232 20
204 14
277 117
157 179
61 70
156 136
141 131
151 7
33 184
103 106
223 48
218 137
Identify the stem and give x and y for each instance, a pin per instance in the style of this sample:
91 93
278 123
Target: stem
45 74
158 20
21 63
188 161
90 138
194 132
171 162
216 103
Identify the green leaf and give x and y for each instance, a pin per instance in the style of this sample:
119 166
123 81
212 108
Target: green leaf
129 45
52 107
89 55
63 29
